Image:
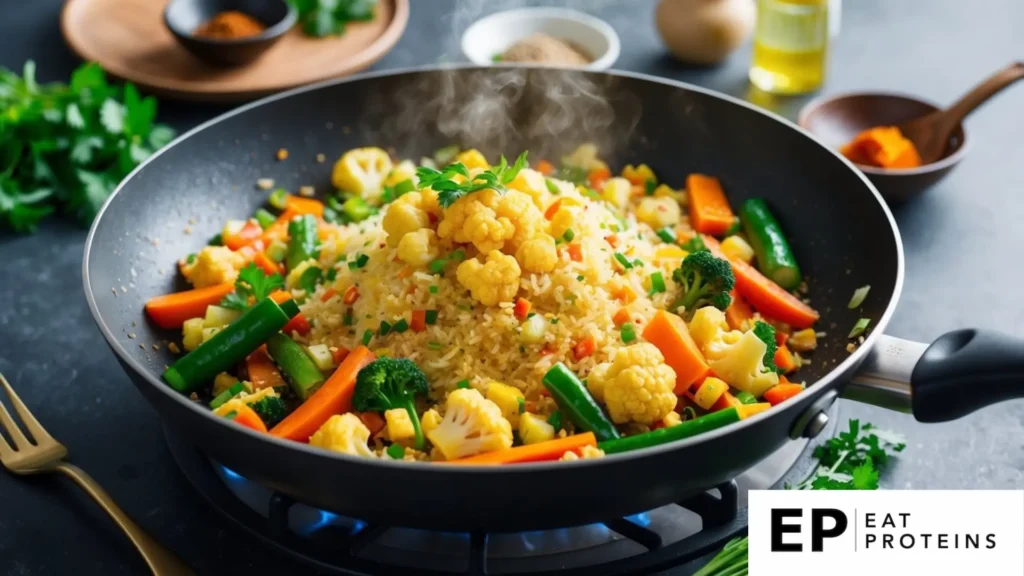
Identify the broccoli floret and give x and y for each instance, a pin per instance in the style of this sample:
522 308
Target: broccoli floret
766 333
270 409
389 383
695 244
705 280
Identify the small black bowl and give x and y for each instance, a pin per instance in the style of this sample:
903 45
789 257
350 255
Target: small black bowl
183 17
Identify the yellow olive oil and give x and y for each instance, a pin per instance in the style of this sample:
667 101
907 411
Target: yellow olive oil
790 45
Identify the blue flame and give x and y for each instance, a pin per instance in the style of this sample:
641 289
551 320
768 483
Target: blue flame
232 475
642 519
331 519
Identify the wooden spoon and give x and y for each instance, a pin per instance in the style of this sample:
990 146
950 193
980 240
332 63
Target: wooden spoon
930 134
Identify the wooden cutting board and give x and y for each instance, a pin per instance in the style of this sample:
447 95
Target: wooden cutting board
128 38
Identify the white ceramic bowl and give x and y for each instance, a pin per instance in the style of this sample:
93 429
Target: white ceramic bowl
493 34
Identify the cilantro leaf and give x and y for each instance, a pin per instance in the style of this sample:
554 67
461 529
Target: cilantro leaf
865 477
449 190
112 116
853 459
252 285
329 17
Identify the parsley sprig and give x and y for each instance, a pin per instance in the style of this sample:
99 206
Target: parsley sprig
853 459
66 146
448 190
321 18
252 285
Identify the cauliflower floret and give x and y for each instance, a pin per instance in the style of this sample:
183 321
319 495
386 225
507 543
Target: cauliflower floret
418 248
538 254
471 425
636 387
473 219
404 215
344 433
533 184
617 192
523 214
586 453
471 159
658 212
585 156
404 170
362 171
734 356
493 282
213 265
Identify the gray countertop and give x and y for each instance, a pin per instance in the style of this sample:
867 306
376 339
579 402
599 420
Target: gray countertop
960 239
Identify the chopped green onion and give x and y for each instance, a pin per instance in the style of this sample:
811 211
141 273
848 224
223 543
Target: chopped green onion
443 156
860 327
462 384
623 260
400 326
352 265
277 251
466 307
356 209
217 240
437 266
264 218
552 187
668 235
638 263
231 415
331 274
554 321
396 451
531 315
627 332
434 345
858 297
522 404
226 395
403 187
657 283
433 289
349 318
458 254
745 397
580 277
367 336
431 316
688 413
735 229
191 258
650 186
569 235
385 327
361 260
555 419
279 199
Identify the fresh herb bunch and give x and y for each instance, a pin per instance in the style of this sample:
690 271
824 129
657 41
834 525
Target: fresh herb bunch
448 190
320 18
66 146
252 285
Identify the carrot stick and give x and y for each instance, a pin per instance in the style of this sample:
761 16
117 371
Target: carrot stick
278 230
669 334
263 261
621 317
552 209
782 392
576 252
784 359
419 320
738 314
549 450
710 212
171 310
262 371
333 397
301 205
724 401
766 296
249 418
249 233
597 177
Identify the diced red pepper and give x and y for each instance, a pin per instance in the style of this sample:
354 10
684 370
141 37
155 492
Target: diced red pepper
351 294
584 348
522 308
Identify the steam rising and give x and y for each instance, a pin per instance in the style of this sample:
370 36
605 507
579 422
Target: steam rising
506 109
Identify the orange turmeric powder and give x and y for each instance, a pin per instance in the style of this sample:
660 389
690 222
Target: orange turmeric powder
882 147
230 24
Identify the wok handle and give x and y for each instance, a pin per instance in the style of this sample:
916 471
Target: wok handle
960 372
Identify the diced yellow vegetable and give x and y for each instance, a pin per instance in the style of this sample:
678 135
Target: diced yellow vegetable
217 316
209 332
534 429
709 392
737 248
507 398
222 382
617 192
399 425
803 341
639 174
430 419
748 410
192 334
321 356
670 253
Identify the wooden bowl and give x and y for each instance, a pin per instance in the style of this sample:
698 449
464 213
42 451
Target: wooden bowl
183 17
835 120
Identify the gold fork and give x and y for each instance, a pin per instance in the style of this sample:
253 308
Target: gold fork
47 455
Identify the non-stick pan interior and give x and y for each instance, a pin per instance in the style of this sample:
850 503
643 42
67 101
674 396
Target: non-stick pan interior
842 235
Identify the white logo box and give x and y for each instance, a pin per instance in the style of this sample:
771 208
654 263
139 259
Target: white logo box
908 532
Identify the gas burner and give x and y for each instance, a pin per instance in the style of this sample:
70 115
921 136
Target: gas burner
666 540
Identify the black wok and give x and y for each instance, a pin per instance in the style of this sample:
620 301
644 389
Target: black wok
843 235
